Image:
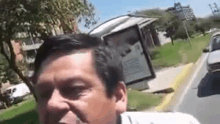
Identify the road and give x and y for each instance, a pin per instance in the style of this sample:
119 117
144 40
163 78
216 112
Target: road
201 98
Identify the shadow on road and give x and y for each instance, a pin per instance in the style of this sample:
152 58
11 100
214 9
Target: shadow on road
209 85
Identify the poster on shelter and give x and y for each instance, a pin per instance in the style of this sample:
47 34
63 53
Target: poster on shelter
134 61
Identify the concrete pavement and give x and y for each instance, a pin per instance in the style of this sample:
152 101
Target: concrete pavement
163 79
167 80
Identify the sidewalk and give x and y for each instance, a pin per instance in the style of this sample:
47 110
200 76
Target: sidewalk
163 79
168 81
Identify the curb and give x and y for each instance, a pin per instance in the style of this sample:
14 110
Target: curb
178 80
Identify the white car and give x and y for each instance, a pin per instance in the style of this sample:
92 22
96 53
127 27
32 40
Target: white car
16 93
213 60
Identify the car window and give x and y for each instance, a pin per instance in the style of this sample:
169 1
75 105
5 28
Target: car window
216 43
14 90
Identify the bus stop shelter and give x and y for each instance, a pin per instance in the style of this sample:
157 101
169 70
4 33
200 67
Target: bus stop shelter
132 35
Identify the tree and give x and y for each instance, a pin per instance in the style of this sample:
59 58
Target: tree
167 21
200 28
170 31
213 21
38 18
171 27
6 74
202 25
181 32
161 14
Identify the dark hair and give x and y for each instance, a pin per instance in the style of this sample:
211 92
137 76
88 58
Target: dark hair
107 60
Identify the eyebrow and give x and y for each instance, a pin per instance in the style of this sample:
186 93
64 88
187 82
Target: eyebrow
68 81
72 80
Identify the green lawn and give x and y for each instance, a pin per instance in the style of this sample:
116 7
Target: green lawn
179 53
22 113
142 101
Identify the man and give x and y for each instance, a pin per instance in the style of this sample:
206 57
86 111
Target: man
78 79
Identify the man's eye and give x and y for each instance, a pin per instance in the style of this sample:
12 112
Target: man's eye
74 91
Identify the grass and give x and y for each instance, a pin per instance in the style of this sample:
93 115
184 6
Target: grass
142 101
23 113
179 53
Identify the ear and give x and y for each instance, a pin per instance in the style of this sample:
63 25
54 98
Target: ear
121 98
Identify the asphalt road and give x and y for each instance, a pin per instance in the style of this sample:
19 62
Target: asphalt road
201 98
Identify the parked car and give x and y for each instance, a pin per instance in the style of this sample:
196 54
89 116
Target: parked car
213 60
16 93
2 106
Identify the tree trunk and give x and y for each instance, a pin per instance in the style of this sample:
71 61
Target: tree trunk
171 40
12 63
203 33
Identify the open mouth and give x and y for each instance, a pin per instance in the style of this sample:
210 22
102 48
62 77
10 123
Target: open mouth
70 121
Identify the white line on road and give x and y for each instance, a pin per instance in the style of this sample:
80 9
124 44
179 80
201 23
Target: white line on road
190 82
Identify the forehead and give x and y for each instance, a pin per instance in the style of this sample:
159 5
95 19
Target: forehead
79 63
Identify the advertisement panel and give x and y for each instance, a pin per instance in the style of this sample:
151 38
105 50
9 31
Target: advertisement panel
135 59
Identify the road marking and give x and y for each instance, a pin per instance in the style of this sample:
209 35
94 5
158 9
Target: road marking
190 82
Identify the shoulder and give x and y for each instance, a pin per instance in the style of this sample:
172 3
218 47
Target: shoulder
157 118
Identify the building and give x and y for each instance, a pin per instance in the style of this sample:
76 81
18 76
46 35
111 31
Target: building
17 49
30 50
30 46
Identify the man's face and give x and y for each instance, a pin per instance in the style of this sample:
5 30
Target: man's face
69 89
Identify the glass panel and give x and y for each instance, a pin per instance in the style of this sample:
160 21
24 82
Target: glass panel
216 43
134 61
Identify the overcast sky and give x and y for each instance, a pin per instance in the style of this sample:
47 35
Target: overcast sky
107 9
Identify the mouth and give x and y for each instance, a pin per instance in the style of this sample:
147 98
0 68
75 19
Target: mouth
64 121
64 118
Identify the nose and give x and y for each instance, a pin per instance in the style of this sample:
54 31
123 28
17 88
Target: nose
59 110
57 103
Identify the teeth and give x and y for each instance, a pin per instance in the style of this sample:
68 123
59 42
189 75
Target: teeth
64 121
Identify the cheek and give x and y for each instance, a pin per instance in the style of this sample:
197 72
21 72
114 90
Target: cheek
102 112
100 107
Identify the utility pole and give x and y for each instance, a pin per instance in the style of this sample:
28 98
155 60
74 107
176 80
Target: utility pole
212 9
184 13
215 10
184 24
216 7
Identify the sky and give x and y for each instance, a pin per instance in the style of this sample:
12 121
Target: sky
107 9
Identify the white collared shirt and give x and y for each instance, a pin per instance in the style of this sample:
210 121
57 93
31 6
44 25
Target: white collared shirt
157 118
